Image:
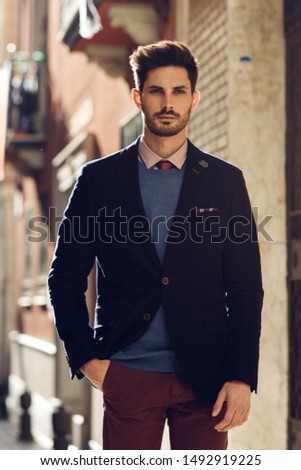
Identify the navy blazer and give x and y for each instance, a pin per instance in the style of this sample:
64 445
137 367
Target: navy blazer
210 280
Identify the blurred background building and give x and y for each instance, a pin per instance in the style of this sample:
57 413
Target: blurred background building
65 99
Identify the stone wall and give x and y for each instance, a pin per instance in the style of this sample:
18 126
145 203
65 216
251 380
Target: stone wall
257 145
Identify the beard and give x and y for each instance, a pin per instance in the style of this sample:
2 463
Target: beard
169 128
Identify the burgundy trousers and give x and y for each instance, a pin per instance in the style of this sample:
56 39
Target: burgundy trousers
137 404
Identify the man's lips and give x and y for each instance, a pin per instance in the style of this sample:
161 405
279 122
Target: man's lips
166 117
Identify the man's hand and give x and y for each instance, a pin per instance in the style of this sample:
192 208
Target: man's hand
238 398
95 370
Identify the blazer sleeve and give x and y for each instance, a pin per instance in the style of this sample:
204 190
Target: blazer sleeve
73 260
244 291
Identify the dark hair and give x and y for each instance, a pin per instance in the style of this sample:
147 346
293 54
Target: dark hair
162 54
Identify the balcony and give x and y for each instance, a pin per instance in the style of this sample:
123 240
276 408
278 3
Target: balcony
26 111
122 25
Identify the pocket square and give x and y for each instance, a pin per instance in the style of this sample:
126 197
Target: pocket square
201 210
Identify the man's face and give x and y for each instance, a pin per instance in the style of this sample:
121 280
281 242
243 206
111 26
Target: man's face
166 100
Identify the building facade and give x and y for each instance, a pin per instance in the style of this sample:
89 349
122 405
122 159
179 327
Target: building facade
249 54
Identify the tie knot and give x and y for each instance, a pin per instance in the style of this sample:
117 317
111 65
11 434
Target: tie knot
164 165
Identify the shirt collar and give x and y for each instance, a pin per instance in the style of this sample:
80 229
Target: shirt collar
150 158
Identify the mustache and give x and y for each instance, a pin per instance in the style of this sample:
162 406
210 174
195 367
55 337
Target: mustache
165 112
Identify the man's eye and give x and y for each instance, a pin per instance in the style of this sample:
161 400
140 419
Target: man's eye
153 92
179 92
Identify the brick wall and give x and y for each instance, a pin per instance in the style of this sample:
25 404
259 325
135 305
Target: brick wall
208 40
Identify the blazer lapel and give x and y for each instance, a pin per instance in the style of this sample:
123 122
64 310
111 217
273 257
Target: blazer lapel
128 176
196 170
193 186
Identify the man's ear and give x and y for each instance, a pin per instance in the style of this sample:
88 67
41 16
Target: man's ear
136 97
195 98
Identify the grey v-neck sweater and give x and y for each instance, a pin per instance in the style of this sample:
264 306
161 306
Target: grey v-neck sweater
160 190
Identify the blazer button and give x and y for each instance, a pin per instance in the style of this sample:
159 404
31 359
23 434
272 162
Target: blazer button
165 281
147 316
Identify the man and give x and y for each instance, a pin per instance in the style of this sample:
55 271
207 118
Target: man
177 319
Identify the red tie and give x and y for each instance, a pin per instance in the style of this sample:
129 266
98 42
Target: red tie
164 165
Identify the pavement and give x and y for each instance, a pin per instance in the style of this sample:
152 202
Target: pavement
9 437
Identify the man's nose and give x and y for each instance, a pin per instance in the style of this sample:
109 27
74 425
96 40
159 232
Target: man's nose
167 102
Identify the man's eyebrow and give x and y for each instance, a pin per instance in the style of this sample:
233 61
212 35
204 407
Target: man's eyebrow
157 87
181 87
